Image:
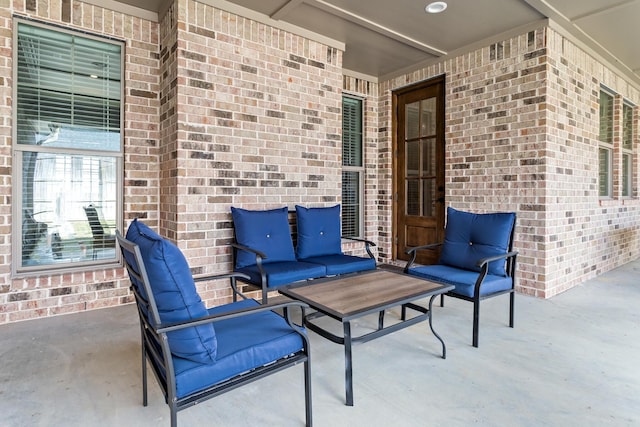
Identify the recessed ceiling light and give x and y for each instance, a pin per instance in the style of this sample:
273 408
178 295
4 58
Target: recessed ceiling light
436 7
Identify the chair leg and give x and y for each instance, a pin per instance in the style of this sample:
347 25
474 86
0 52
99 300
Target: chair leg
512 297
381 320
441 300
476 321
174 416
307 393
144 375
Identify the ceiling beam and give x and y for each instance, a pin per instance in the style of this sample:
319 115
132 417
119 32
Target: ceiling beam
285 9
579 35
605 9
370 25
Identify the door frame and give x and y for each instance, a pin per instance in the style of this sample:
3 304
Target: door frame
441 79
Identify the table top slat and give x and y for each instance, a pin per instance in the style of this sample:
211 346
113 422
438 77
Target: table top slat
349 296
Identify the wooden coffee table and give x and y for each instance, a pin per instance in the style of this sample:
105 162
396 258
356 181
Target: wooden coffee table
351 297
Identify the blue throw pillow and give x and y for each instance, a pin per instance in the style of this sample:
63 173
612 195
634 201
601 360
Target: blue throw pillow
267 231
318 231
470 237
175 294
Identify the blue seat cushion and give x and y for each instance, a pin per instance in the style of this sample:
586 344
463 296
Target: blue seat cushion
343 264
470 237
318 231
244 343
463 280
174 292
267 231
284 272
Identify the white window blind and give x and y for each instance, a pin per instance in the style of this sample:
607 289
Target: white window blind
352 166
627 149
605 173
68 147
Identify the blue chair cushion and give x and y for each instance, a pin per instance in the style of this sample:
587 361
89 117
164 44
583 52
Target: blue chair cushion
284 272
175 294
267 231
244 343
343 264
318 231
463 280
470 237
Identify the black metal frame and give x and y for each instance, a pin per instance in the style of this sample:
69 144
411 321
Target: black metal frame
510 257
155 345
347 339
260 256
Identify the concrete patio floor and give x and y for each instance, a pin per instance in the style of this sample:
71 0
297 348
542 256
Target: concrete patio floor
573 360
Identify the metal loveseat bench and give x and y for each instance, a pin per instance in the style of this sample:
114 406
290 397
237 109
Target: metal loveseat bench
265 252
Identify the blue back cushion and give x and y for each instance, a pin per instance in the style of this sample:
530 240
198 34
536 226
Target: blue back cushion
267 231
175 294
470 237
318 231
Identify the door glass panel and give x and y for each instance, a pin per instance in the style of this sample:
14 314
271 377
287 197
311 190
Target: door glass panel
428 116
412 120
413 158
428 197
428 157
413 197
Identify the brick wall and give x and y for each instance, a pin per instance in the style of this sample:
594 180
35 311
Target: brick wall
222 110
47 295
584 236
521 135
258 125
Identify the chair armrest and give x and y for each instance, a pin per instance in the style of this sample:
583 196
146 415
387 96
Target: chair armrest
484 267
367 244
481 262
414 252
258 254
219 276
164 328
232 276
357 239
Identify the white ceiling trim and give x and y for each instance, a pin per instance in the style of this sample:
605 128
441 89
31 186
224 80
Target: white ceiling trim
125 8
284 10
577 35
602 10
514 32
264 19
370 25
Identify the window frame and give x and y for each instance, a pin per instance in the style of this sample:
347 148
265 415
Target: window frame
627 145
18 269
606 146
357 169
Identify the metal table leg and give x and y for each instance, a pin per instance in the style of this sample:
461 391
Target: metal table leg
348 372
444 349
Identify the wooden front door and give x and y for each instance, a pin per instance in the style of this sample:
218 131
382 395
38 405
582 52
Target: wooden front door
419 168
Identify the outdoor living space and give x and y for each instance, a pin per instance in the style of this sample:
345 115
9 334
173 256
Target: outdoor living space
571 360
176 113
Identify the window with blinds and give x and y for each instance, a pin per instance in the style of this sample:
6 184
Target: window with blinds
352 166
605 188
68 147
627 149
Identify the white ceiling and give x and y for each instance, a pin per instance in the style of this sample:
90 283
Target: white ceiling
383 38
